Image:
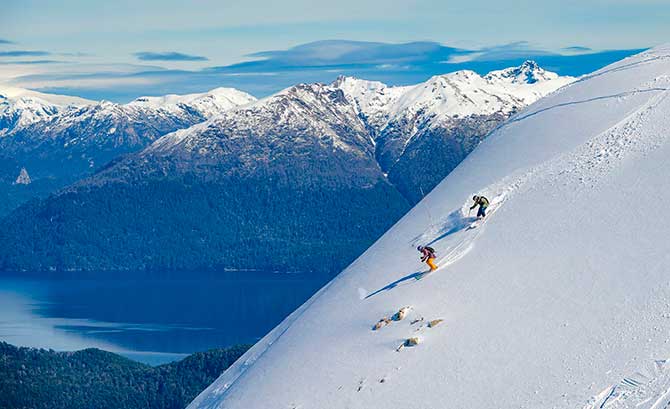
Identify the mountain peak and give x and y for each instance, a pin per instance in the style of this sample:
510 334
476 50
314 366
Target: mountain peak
531 64
529 72
305 93
302 111
341 79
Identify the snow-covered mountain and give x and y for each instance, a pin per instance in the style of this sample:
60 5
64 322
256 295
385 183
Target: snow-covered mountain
372 99
107 126
422 132
558 300
207 105
21 107
59 140
418 133
293 116
455 95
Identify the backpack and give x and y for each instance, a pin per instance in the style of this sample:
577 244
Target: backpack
430 249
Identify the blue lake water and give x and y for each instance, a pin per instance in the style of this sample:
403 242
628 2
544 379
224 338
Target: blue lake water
147 319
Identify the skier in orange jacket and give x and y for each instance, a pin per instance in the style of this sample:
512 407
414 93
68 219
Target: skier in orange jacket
428 256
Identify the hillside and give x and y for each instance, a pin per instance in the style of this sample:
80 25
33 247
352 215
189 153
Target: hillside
559 299
36 378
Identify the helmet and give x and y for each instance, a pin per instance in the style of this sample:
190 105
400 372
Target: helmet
475 198
420 248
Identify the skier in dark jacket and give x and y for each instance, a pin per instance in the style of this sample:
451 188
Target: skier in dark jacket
483 203
428 256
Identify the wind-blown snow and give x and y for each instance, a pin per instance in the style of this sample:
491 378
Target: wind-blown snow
556 301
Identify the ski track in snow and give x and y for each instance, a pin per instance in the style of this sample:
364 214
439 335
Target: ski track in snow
648 388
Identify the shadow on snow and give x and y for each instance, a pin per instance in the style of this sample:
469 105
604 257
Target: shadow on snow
397 282
454 223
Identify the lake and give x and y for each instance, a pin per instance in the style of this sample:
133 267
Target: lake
148 319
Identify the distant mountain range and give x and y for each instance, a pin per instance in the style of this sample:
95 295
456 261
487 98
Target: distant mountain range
302 180
59 140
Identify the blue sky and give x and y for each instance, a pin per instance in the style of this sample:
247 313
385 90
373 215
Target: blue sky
120 50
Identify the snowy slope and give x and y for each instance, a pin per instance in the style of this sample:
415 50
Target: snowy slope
14 93
555 302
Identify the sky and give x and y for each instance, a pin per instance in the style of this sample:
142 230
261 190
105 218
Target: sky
123 49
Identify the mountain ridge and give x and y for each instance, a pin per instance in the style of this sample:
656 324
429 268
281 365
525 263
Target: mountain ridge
60 144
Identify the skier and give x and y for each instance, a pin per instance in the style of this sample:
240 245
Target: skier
483 203
428 256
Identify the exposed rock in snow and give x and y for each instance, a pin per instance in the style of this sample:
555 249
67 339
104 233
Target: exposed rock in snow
381 324
412 341
401 314
409 342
